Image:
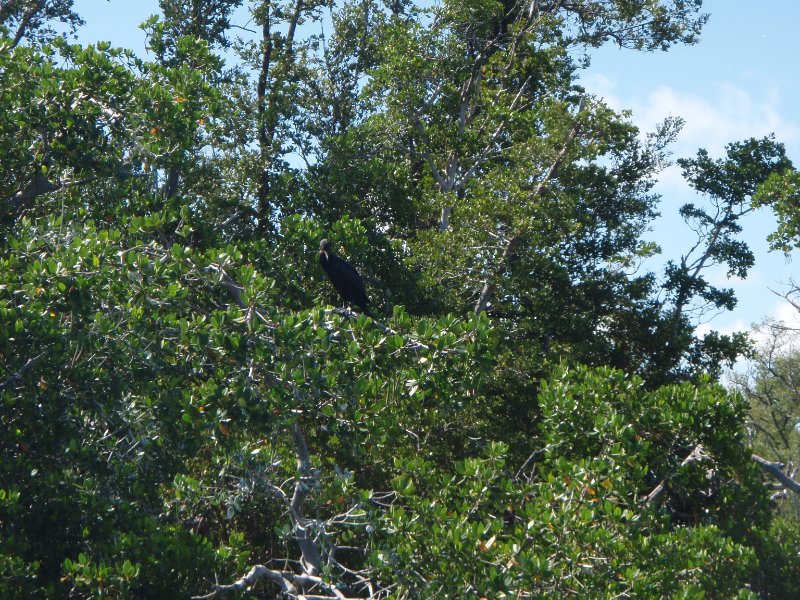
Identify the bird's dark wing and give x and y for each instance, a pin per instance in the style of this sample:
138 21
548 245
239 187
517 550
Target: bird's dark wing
348 272
345 279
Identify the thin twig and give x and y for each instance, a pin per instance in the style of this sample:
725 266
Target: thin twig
23 369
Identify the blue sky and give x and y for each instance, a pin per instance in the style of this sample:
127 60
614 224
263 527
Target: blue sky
738 82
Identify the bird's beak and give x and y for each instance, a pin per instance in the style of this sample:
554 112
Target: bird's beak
325 253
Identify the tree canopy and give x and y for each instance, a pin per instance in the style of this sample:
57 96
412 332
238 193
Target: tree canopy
526 413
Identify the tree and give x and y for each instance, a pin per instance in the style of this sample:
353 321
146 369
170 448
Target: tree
770 386
781 191
207 21
85 117
32 20
182 414
731 185
508 159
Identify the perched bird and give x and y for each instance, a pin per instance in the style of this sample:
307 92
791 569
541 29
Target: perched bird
344 277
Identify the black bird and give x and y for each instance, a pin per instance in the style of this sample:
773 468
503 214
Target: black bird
344 277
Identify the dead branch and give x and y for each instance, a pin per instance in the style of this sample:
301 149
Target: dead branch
307 585
696 455
311 560
286 580
509 251
776 470
29 364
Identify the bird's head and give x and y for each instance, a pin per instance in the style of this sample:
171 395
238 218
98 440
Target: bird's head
325 247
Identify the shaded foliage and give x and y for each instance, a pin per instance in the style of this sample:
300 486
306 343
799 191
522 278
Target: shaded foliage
178 404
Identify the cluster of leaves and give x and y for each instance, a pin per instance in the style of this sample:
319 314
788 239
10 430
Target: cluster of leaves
150 369
575 522
531 419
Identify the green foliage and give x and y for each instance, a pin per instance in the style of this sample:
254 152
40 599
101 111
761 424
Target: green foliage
33 22
209 21
576 520
611 416
150 377
780 561
781 191
95 116
770 386
178 401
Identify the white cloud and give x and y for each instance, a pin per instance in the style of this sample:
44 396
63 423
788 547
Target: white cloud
728 114
671 179
718 276
787 314
781 312
604 87
735 327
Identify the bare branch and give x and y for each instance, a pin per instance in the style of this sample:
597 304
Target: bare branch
229 284
41 185
31 362
286 580
696 455
775 469
231 219
312 562
511 246
426 154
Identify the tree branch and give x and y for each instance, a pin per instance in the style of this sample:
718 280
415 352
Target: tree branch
426 154
696 455
234 289
511 246
286 580
31 362
39 186
312 563
775 469
25 21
